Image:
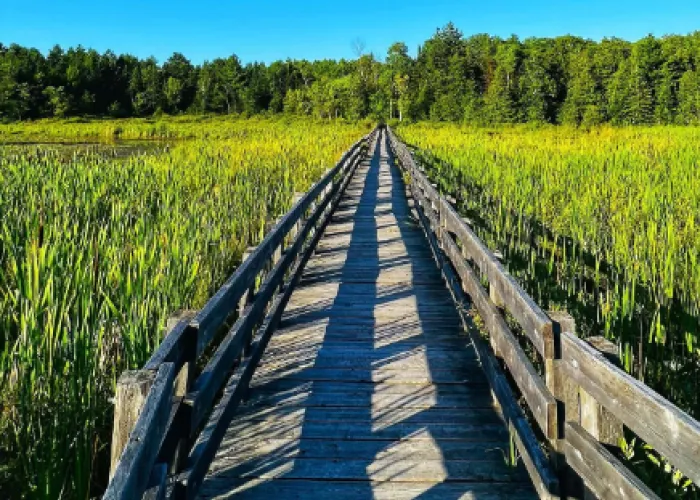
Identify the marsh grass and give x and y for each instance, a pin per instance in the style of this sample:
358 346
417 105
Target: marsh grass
97 252
602 223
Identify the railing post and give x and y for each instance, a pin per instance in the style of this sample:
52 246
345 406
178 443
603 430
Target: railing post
566 394
575 404
181 386
130 397
295 228
277 254
293 232
245 301
594 417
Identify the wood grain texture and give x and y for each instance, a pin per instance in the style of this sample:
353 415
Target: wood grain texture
667 428
133 472
604 475
370 388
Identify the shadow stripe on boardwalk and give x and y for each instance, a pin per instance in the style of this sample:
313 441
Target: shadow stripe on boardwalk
369 389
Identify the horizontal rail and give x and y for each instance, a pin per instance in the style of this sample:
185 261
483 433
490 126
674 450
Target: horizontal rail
602 473
173 406
582 399
667 428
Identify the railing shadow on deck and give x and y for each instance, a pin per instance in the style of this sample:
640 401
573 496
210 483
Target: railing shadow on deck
370 435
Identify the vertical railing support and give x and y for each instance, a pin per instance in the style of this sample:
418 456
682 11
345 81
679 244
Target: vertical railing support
130 397
594 417
246 300
181 386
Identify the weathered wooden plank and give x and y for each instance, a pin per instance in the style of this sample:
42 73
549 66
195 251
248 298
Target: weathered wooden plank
493 432
469 373
378 470
668 429
408 327
604 475
156 489
535 323
210 438
331 387
477 399
419 447
177 347
374 416
265 489
133 471
407 362
450 358
132 391
539 399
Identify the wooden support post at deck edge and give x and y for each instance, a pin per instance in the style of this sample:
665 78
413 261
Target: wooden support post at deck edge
132 390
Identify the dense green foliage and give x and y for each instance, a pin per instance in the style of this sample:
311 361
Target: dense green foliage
95 253
476 79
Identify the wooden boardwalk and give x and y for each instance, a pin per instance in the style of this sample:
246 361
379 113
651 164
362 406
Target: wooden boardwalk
362 383
369 388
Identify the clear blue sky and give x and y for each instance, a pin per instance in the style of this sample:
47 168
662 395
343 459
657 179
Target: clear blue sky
266 30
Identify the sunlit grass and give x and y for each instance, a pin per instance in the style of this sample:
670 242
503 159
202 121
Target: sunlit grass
96 253
603 223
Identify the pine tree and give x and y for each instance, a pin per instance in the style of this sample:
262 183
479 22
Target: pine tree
689 98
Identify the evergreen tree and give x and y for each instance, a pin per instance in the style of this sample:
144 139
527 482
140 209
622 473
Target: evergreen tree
689 98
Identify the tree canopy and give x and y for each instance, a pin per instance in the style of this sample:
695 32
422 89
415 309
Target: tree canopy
476 79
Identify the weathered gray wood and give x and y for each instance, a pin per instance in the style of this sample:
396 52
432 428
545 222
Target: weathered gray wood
365 274
539 399
177 347
668 429
604 475
132 390
545 481
303 489
156 489
406 470
594 417
133 471
420 447
433 416
237 387
176 444
535 323
247 297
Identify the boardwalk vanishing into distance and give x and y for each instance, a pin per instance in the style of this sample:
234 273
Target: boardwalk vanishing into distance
341 360
369 388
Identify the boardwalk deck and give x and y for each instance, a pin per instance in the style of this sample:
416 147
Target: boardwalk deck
369 389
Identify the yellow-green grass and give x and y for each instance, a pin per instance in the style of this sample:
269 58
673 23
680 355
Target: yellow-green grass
153 128
96 253
604 223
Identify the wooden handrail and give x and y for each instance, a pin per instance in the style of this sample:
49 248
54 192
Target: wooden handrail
164 407
583 399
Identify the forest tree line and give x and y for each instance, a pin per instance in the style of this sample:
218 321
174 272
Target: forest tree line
477 79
